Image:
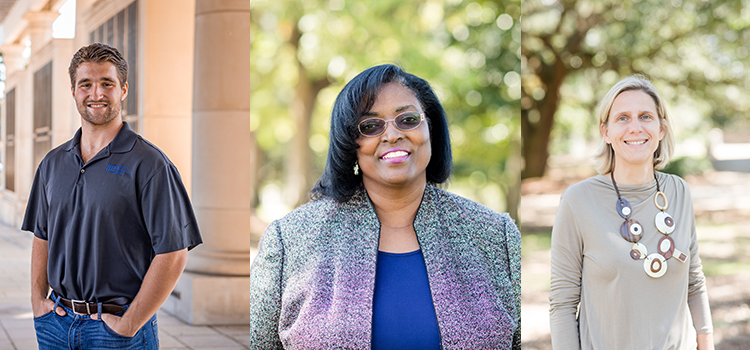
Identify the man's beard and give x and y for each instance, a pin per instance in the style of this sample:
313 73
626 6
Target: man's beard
110 113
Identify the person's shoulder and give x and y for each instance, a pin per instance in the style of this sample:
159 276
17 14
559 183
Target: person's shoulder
585 184
672 180
670 177
151 159
482 223
149 151
586 187
309 213
467 208
57 154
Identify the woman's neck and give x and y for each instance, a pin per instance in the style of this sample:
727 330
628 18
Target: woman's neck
396 207
634 175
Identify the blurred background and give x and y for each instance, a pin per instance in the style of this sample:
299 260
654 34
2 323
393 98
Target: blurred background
238 94
695 52
305 51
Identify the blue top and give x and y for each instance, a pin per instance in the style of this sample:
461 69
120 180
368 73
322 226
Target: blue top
105 220
403 316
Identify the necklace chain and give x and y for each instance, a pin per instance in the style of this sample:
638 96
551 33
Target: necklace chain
654 264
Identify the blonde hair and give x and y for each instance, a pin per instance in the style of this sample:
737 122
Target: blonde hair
605 155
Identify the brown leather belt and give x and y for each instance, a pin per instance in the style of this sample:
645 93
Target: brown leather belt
82 307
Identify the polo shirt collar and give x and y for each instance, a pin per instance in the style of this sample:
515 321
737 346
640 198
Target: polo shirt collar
122 143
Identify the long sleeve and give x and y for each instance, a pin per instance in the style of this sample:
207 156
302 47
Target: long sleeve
265 291
600 297
565 284
513 245
697 293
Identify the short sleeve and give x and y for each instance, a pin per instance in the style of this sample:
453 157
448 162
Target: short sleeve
167 212
265 291
35 219
565 282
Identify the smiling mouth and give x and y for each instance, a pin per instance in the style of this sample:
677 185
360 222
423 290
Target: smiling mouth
396 154
636 142
96 104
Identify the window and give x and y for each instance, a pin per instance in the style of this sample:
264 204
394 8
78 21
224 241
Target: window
42 112
121 31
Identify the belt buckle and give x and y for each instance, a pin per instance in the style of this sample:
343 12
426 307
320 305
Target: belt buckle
84 302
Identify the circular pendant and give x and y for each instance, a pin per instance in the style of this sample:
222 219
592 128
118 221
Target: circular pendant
656 200
623 208
655 265
631 231
638 251
664 223
666 247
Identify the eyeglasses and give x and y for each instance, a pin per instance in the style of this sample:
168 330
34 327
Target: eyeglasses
372 127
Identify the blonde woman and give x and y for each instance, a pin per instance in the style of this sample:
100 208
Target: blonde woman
626 273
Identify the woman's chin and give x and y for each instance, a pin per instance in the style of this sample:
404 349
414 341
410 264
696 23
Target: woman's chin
395 180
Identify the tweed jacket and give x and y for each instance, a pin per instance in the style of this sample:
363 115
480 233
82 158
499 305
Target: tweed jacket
312 283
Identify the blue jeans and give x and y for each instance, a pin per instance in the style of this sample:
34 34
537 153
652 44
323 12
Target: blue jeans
79 332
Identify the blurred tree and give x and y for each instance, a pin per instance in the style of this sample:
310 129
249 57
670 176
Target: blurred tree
692 49
304 51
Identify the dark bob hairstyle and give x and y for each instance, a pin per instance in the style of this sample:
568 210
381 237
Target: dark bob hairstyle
338 180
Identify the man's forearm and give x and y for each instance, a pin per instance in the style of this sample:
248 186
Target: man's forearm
39 283
159 282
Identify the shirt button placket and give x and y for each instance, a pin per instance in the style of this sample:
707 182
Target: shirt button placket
80 177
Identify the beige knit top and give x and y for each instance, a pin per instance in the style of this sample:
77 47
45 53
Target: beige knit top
619 306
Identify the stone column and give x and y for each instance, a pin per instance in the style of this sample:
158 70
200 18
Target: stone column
12 58
40 34
217 276
40 28
11 202
167 56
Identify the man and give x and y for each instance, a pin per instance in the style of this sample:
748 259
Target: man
111 219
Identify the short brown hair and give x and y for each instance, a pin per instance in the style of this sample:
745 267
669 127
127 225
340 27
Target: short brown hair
605 156
98 53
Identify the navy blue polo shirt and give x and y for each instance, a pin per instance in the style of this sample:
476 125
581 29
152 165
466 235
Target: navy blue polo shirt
106 220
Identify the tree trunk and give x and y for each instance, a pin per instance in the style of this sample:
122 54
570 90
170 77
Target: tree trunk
513 192
536 134
299 159
256 162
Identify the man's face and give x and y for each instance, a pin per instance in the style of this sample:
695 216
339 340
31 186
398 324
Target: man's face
99 93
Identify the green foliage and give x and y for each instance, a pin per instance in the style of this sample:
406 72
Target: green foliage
683 166
469 52
694 51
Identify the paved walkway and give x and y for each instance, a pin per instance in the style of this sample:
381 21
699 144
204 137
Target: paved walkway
17 325
722 206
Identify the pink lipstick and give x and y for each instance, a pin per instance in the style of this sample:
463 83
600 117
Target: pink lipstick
395 156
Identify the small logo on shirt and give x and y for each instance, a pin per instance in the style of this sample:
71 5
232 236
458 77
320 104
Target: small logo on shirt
117 169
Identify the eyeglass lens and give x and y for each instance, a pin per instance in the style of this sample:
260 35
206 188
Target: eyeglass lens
376 126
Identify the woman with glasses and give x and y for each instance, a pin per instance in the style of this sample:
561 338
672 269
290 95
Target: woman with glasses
381 257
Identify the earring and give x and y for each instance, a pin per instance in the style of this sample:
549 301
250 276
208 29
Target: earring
356 168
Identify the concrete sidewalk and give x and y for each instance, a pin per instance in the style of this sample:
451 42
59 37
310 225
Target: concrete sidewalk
17 325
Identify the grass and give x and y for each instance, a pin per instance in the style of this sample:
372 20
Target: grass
535 241
724 249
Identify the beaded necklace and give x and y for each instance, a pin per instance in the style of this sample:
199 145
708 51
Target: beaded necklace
655 264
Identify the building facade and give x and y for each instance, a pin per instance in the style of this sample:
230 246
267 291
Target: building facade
187 95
